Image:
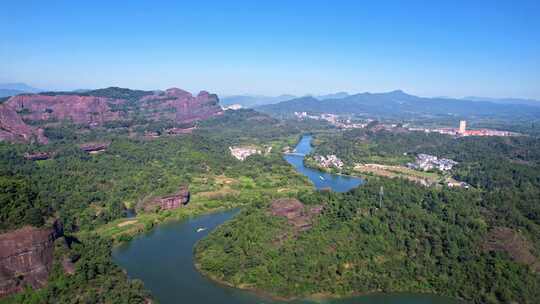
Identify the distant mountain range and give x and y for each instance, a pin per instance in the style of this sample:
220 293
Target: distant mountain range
11 89
250 101
337 95
400 104
518 101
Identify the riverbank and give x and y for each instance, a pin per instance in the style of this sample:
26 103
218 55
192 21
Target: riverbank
125 229
316 297
327 296
259 292
320 179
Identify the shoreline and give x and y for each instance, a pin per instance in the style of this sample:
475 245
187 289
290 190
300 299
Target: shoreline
132 230
316 297
256 291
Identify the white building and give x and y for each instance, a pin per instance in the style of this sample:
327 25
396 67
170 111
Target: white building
234 107
427 162
241 153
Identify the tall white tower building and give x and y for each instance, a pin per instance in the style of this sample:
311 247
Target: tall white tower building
462 126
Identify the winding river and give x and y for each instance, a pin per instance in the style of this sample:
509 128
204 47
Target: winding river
163 258
321 180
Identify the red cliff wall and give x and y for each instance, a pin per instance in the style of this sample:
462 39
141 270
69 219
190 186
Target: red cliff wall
13 128
174 201
79 109
26 257
187 108
173 104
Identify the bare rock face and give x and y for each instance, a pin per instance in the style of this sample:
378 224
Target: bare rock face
94 147
26 257
507 240
37 155
13 128
177 200
298 215
87 110
181 106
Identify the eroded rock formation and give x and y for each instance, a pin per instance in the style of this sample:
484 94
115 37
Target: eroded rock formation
94 147
26 257
37 155
87 110
298 215
14 129
181 106
173 104
177 200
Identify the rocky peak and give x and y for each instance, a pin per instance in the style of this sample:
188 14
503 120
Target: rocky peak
176 92
299 216
203 94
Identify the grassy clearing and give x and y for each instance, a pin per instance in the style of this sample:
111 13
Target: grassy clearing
209 194
426 178
125 229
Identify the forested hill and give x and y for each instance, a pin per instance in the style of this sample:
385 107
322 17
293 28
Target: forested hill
400 104
480 244
90 192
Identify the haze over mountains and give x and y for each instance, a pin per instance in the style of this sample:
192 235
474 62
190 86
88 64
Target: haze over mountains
249 101
522 101
256 101
388 104
399 103
10 89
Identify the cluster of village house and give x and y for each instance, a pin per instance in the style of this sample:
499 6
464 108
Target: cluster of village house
329 161
427 162
241 153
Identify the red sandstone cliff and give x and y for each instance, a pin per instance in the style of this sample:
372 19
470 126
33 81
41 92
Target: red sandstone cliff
186 107
88 110
173 104
13 128
26 257
168 202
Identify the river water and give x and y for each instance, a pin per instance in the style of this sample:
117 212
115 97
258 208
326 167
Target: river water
321 180
163 258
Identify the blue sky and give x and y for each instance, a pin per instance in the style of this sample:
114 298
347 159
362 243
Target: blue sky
428 48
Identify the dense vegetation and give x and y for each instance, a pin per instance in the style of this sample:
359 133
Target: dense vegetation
505 167
90 193
87 190
96 279
422 239
111 92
